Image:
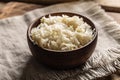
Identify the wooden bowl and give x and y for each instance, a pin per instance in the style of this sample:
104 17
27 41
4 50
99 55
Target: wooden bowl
62 59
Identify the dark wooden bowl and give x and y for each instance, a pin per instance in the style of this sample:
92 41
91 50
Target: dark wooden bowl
62 59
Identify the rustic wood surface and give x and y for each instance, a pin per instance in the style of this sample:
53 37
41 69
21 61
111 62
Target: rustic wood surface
18 8
110 5
113 3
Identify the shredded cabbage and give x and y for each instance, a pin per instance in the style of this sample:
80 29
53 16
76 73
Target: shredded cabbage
62 33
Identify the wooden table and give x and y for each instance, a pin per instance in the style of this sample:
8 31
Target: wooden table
16 8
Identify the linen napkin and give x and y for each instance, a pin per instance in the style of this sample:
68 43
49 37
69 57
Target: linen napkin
17 63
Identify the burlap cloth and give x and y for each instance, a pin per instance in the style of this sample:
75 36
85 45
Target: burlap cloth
17 63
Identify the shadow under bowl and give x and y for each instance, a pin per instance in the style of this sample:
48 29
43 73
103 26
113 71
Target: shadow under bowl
62 59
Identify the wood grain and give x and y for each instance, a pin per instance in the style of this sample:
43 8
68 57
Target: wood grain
17 8
112 3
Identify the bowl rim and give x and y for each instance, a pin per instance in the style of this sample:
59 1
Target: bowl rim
66 51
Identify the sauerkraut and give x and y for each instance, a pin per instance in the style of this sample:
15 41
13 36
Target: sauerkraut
62 33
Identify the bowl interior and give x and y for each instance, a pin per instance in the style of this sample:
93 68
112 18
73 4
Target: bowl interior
85 19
